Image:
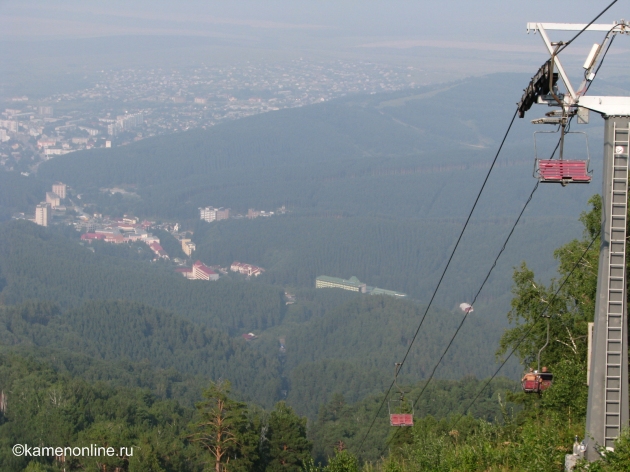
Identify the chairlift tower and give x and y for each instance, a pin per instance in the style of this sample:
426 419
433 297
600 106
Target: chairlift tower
607 411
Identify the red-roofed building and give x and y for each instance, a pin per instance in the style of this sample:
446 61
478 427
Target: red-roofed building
92 236
114 238
157 249
203 272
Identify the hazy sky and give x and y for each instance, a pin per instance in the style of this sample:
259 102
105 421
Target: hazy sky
460 35
490 20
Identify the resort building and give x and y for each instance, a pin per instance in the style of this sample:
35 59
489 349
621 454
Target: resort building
353 284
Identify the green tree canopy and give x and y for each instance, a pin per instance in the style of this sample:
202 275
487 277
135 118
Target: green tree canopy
289 449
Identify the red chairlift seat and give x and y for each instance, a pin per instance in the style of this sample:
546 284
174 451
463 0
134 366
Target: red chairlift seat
531 386
401 419
563 171
546 379
400 410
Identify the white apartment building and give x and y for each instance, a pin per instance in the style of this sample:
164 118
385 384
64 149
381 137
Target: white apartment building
42 214
60 189
211 214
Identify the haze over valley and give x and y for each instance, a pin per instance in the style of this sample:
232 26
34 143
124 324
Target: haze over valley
255 205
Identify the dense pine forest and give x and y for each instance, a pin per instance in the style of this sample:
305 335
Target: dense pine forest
105 302
503 429
101 344
125 373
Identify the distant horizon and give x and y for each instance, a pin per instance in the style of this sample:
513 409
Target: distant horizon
404 30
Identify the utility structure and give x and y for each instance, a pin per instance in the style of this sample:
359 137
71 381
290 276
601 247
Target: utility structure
607 412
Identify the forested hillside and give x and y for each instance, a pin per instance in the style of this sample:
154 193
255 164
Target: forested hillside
41 264
114 331
402 255
342 342
352 349
502 429
51 406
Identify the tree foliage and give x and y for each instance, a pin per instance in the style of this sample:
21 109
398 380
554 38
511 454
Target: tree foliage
287 447
223 430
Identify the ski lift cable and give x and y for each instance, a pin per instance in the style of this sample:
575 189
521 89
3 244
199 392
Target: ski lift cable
565 280
464 229
531 195
448 263
527 333
585 28
485 280
492 268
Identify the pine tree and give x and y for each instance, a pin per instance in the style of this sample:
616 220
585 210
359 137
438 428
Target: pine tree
288 447
223 430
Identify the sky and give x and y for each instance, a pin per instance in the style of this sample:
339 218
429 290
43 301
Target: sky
463 20
462 37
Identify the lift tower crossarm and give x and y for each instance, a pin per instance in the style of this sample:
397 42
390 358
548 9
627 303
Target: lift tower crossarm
612 28
607 106
617 27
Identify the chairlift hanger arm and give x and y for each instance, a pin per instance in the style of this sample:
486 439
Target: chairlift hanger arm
558 64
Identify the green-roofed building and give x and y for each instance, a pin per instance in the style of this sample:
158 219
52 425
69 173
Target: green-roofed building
353 284
382 291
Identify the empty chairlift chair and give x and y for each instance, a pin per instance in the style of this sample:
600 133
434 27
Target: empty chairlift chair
562 171
400 410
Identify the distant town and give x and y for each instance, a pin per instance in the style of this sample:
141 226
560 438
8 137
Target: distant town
124 106
130 229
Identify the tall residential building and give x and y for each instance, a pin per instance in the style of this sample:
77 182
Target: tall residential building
60 189
45 111
127 122
211 214
223 214
42 214
10 125
208 214
53 199
188 247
